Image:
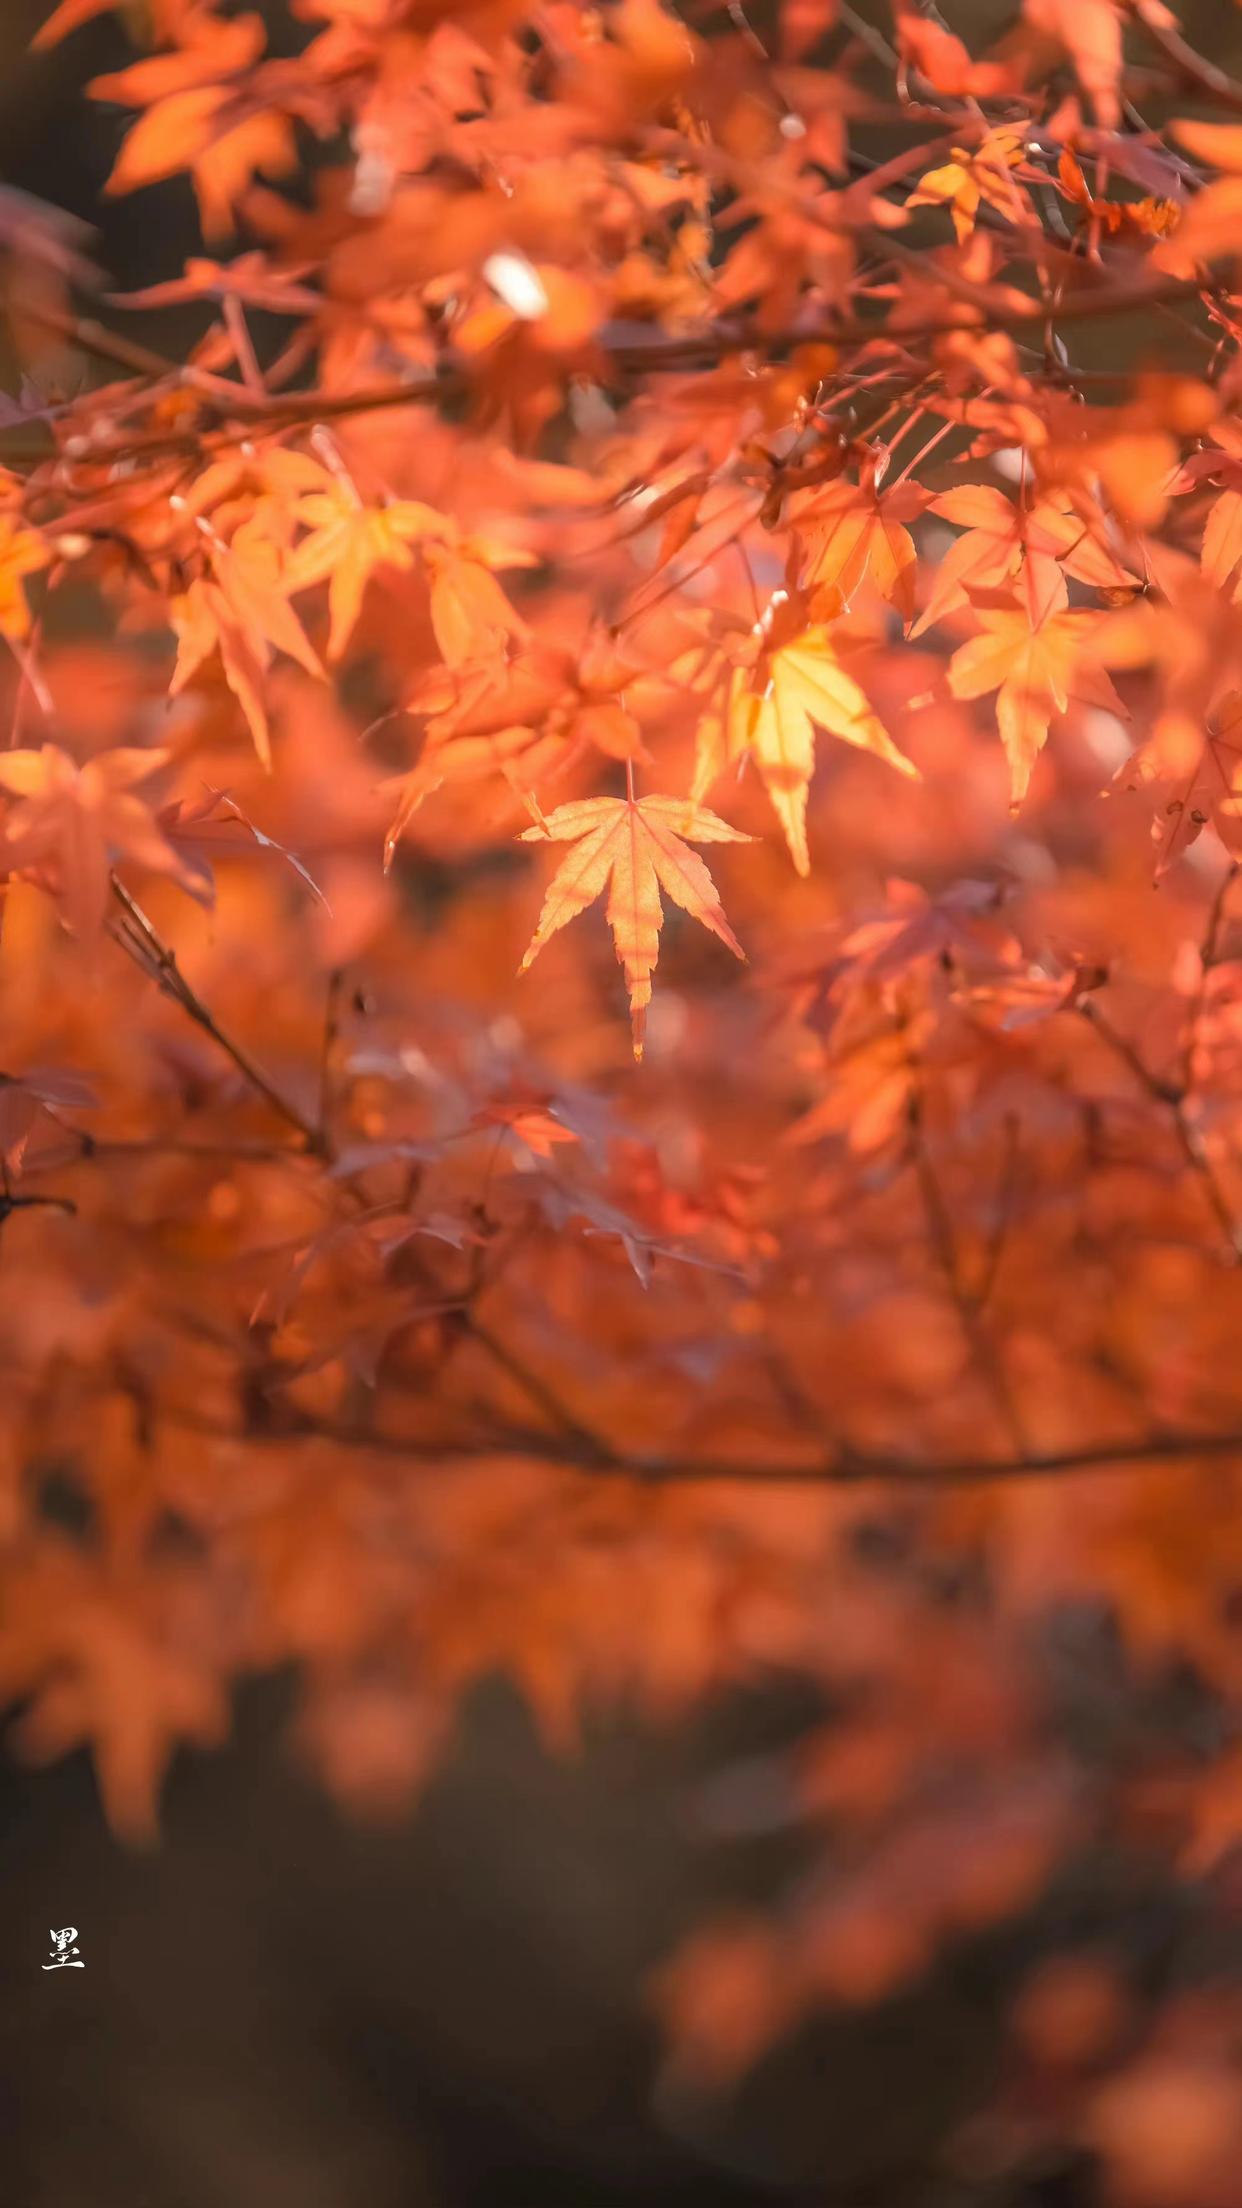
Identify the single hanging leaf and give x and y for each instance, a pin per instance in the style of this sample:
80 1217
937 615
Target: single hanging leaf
65 826
348 542
1035 669
638 848
806 687
21 554
238 607
971 178
852 531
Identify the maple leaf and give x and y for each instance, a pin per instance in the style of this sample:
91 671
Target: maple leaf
1090 32
517 717
637 847
1198 774
205 825
96 1665
772 715
70 824
348 541
1002 536
929 47
970 179
470 614
1219 463
201 115
854 531
1148 218
1210 224
529 1119
21 554
70 16
25 1097
1189 629
1035 668
239 608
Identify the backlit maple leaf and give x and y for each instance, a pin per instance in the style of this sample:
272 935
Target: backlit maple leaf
1197 772
773 714
1035 670
1209 227
21 554
638 848
1132 219
66 825
238 607
972 177
205 111
470 614
854 531
1002 537
348 541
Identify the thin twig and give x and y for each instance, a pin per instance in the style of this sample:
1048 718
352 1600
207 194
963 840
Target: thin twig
943 1240
331 1029
146 945
1173 1096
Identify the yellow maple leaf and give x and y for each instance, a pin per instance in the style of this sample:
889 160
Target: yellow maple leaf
638 848
969 178
806 686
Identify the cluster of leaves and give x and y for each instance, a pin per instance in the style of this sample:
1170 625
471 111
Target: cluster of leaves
593 407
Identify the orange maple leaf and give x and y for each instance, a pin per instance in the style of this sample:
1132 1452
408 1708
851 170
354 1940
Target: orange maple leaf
70 16
348 541
239 608
21 553
932 49
1090 32
1197 774
638 847
520 717
1002 537
470 614
1209 229
67 825
772 714
204 111
1219 463
1140 218
854 531
1035 667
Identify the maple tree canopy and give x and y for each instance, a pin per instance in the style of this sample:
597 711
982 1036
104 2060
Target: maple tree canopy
745 503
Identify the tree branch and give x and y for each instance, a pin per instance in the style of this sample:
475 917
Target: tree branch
147 947
843 1467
